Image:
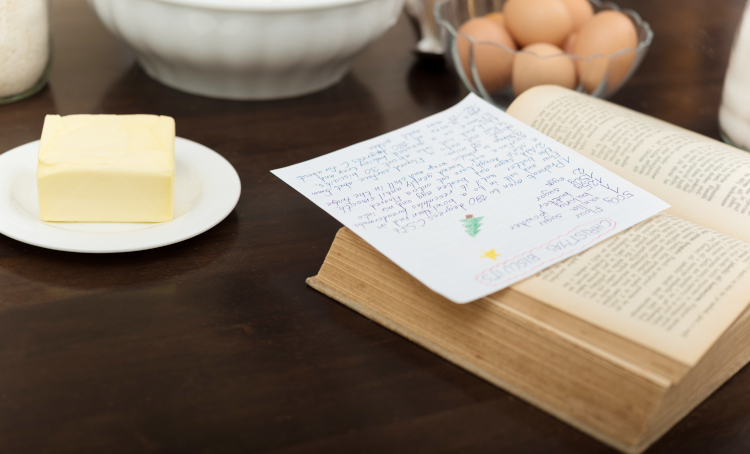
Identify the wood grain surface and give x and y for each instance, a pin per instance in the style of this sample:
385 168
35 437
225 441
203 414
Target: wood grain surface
216 345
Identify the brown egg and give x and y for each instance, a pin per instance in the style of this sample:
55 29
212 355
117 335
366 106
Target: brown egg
605 34
537 64
538 21
570 43
494 64
580 10
498 18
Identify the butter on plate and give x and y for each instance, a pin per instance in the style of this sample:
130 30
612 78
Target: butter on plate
106 168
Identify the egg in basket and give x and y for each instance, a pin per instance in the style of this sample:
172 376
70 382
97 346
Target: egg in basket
500 48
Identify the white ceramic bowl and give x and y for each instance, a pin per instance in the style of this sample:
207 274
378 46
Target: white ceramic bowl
247 49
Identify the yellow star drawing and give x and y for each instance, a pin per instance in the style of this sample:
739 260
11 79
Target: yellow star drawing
491 254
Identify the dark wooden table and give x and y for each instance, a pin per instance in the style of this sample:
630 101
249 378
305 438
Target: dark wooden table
216 345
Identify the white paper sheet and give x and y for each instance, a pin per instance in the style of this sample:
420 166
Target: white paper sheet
471 200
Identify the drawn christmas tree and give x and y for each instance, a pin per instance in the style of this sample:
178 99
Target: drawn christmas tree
472 224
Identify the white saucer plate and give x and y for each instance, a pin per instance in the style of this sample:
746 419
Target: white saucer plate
207 189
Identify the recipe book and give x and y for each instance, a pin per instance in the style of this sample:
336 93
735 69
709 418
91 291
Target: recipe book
623 339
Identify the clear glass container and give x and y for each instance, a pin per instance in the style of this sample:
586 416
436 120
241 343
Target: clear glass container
451 14
25 48
734 112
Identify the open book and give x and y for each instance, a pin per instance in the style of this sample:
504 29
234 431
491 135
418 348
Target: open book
625 338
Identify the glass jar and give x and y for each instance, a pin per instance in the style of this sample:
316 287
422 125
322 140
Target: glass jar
734 113
25 48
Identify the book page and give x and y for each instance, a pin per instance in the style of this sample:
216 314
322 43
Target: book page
470 200
705 181
668 284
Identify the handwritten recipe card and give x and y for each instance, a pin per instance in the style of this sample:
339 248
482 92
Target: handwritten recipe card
471 200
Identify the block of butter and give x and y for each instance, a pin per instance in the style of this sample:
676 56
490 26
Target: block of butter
106 168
